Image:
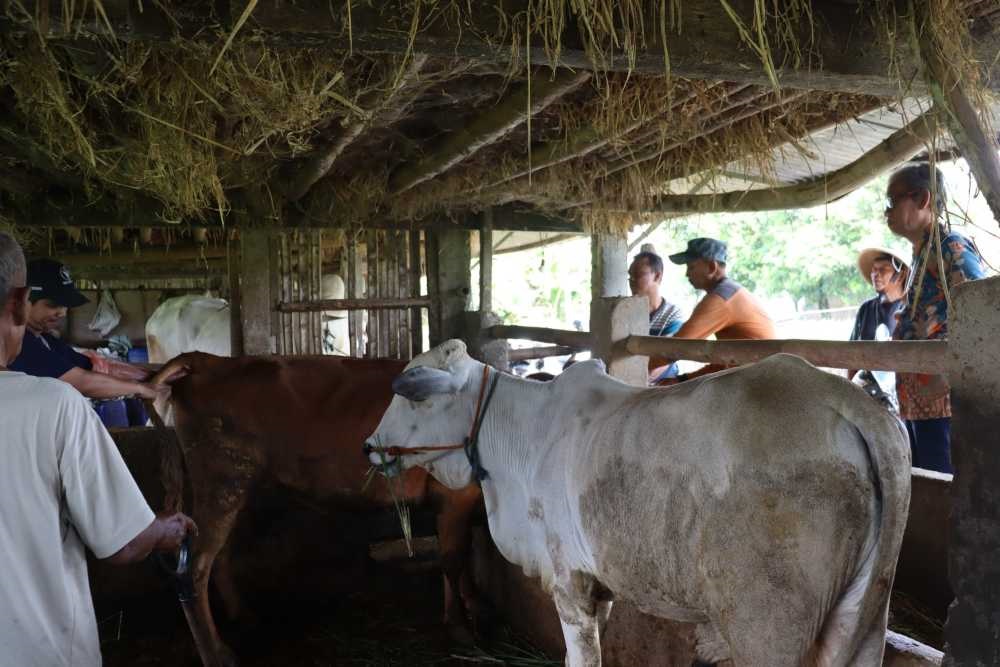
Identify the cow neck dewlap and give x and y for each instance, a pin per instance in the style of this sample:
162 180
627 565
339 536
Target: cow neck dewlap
513 428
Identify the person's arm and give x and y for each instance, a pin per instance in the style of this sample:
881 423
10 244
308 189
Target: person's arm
98 385
710 315
165 534
126 371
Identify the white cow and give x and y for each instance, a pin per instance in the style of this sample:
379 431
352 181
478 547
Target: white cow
766 504
189 323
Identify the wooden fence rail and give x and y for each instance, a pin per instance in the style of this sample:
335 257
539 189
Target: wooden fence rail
378 303
905 356
579 340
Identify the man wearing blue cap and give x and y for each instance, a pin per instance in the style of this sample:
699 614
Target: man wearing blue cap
728 310
44 355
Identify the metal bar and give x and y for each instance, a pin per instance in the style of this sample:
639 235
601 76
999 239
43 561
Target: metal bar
527 353
579 340
906 356
378 303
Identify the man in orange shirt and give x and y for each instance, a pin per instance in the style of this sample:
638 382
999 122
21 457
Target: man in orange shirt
728 310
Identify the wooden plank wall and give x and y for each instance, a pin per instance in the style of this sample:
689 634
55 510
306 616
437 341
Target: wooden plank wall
378 264
298 257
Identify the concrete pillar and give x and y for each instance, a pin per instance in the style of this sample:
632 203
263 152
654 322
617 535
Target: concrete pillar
612 321
486 262
449 282
608 265
256 298
972 632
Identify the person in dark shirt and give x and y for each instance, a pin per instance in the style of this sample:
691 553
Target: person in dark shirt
644 278
887 272
44 355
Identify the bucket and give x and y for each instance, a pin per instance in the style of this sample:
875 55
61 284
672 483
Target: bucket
112 413
136 412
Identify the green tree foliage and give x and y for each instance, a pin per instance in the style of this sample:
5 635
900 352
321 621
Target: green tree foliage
809 254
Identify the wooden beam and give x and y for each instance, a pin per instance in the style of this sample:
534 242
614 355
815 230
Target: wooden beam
154 255
898 148
540 352
849 52
374 303
580 143
904 356
319 164
950 90
542 89
578 340
47 214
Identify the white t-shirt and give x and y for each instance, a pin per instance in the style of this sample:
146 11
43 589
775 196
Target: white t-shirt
63 487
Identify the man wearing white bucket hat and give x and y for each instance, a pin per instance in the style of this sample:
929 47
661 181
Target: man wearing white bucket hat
886 271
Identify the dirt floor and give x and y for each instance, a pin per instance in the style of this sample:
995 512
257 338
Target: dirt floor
392 620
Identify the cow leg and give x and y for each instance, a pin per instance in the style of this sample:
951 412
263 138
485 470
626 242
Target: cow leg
578 604
224 584
221 474
455 544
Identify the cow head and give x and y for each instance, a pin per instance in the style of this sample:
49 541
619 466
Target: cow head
434 405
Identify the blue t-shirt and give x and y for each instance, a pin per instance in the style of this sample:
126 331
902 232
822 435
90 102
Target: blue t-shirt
48 356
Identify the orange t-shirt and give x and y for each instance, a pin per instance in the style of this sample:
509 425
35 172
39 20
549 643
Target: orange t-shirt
730 312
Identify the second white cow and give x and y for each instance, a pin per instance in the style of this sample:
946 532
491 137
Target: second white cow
766 504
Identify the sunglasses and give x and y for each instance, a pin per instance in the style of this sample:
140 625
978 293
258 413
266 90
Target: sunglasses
891 201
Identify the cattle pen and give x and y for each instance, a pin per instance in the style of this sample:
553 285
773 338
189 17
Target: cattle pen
335 170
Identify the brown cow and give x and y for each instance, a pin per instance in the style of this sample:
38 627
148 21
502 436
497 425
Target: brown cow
300 421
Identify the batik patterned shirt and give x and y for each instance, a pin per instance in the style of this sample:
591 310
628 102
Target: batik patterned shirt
921 395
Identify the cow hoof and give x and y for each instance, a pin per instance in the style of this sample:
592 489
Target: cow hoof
460 634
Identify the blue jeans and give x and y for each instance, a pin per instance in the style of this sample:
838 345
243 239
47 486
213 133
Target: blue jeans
930 443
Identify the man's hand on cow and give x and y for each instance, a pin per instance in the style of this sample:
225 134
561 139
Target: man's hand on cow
152 391
173 529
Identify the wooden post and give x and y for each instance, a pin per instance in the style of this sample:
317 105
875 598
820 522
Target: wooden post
613 320
452 282
949 89
972 632
255 290
608 266
416 314
486 262
235 301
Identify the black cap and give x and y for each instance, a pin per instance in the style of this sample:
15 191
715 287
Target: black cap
50 280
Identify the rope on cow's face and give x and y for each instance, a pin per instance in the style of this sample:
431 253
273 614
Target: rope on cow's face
470 445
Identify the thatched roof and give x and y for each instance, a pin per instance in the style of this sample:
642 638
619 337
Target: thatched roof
398 112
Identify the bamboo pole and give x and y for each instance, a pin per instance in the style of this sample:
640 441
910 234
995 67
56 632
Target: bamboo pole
541 90
540 352
950 92
896 149
905 356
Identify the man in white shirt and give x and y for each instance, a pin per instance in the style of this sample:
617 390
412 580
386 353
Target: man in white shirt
63 488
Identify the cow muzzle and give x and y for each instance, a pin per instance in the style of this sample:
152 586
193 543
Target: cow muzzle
384 461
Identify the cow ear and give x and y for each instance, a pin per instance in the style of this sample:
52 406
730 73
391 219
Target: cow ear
421 382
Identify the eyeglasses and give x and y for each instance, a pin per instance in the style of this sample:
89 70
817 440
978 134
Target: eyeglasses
892 200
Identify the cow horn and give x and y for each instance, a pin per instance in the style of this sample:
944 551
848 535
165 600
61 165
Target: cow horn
421 382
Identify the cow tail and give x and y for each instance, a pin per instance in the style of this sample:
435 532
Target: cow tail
853 632
172 465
